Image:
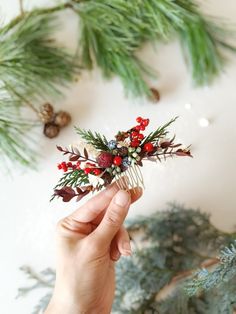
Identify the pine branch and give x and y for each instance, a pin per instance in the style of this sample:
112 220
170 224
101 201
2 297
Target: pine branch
98 141
29 61
161 132
206 279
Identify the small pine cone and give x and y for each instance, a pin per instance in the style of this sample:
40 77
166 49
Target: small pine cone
51 130
123 151
105 160
62 118
46 113
155 97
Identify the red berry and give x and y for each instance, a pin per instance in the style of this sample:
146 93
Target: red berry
139 119
145 122
138 128
65 169
87 170
117 160
134 134
59 166
141 136
77 165
142 127
148 147
69 164
96 172
135 143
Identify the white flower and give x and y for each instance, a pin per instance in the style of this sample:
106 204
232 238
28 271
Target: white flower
122 144
93 152
95 180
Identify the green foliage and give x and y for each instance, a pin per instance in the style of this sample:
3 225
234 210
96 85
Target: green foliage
168 244
14 141
112 32
224 271
97 140
31 67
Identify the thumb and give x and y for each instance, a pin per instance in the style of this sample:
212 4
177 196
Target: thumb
114 218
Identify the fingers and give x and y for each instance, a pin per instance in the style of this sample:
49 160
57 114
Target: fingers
120 245
93 207
113 218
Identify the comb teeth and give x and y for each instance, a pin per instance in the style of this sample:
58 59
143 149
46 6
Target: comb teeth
130 179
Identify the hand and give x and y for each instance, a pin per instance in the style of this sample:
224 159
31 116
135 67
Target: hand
89 242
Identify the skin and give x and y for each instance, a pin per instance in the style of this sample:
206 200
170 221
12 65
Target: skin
89 242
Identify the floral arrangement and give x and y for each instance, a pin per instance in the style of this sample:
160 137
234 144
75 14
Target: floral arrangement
101 162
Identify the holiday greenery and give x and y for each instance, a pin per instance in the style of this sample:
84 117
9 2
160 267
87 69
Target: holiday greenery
175 267
111 32
117 160
32 67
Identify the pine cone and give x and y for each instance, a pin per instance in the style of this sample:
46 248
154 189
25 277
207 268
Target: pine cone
62 118
46 113
105 160
121 136
155 97
51 130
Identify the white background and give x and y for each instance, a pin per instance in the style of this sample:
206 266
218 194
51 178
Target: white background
208 181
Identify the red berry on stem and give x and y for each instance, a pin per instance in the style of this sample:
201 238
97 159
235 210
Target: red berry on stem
69 164
135 143
148 147
139 119
145 122
142 127
117 160
96 172
138 128
141 136
134 134
59 166
87 170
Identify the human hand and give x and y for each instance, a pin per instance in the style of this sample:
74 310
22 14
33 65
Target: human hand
89 242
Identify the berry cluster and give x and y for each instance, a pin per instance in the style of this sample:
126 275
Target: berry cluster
65 166
136 136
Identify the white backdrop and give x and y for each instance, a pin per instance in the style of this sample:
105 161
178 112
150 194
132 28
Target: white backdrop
208 181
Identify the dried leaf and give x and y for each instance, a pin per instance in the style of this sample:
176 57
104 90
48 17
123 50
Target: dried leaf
67 193
60 148
86 153
74 157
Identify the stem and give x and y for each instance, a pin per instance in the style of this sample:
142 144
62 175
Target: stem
72 153
26 101
21 7
41 11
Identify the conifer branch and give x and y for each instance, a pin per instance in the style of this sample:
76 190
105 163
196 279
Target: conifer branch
97 140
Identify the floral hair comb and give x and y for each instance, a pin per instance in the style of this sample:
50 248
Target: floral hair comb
96 162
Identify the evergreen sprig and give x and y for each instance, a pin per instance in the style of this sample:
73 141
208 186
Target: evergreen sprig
160 133
206 279
97 140
32 67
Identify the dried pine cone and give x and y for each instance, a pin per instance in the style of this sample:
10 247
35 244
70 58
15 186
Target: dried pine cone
51 130
62 118
121 136
46 113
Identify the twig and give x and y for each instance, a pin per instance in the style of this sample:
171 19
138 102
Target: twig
21 7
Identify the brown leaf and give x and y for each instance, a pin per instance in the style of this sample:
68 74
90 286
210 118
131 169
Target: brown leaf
183 152
74 157
60 148
86 153
165 144
67 193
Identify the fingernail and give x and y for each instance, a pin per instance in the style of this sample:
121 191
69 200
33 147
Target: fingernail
122 198
126 249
